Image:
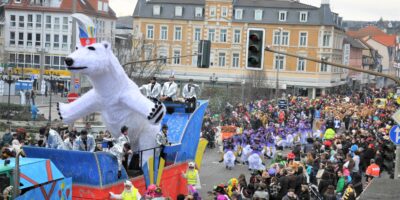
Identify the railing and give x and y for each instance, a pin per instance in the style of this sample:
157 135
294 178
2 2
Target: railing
140 153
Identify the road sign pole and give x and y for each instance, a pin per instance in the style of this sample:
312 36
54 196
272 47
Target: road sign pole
397 164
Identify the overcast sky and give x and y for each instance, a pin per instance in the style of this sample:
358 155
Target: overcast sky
364 10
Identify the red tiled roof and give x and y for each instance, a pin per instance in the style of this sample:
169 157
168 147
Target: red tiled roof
366 31
387 40
65 7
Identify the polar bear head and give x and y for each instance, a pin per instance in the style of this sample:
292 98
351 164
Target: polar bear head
92 60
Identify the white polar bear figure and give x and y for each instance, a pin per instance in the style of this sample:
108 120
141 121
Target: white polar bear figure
115 96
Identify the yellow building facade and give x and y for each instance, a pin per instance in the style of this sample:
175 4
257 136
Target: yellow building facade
174 28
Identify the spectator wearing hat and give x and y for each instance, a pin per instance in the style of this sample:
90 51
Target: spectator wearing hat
192 176
162 139
53 139
152 90
169 89
7 138
130 192
84 142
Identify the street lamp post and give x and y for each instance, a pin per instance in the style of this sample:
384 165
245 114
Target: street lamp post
243 83
50 91
278 67
9 80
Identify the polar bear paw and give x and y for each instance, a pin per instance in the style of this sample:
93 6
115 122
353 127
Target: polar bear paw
58 110
157 112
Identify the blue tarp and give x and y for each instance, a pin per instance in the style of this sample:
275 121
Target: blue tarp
86 168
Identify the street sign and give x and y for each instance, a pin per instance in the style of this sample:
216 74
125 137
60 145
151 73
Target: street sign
395 134
43 87
282 103
72 97
77 86
396 116
76 81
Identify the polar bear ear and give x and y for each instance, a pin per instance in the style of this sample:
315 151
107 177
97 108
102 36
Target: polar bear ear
106 45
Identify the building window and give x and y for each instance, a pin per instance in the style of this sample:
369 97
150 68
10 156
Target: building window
236 36
213 11
17 1
21 22
30 21
28 60
38 21
150 32
38 39
285 38
303 39
13 20
303 16
47 62
12 38
282 16
20 59
12 58
56 41
105 7
198 12
178 33
258 14
48 41
156 10
277 37
221 59
211 34
235 60
301 64
65 24
57 23
222 35
224 12
238 13
65 42
324 67
36 61
164 33
178 11
56 62
20 39
197 34
326 39
177 58
279 62
29 40
48 22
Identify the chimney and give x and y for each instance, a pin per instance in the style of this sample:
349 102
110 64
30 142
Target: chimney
324 2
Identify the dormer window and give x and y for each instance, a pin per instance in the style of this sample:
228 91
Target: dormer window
238 13
282 16
199 12
178 11
303 16
100 6
156 10
258 14
105 7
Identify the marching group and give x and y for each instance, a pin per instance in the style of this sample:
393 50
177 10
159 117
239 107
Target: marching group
336 145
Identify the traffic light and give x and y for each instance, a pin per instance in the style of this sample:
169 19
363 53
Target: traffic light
204 51
255 48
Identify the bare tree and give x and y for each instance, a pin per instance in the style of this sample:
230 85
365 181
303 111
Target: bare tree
256 85
139 63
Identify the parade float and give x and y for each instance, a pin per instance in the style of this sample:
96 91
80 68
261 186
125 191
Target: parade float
95 175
